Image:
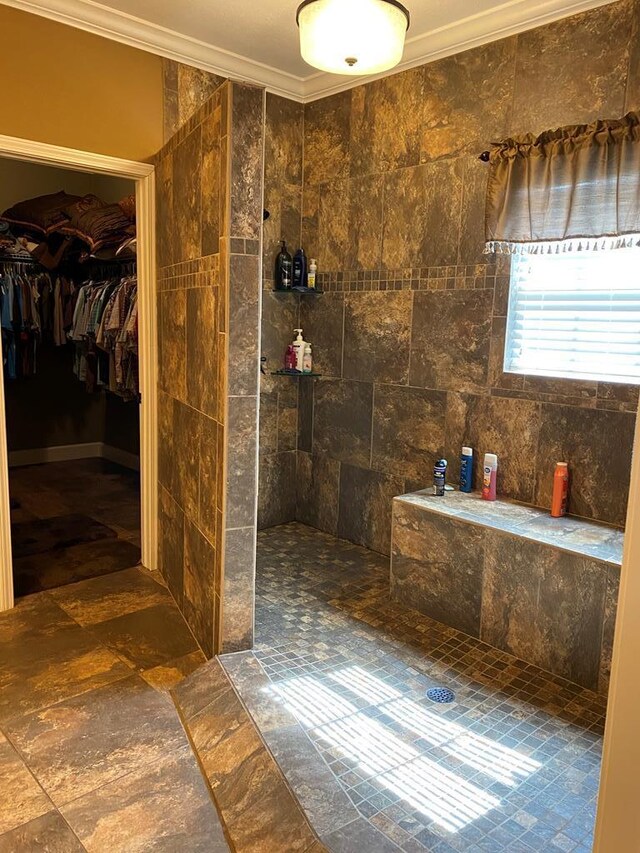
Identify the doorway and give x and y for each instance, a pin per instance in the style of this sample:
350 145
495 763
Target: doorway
142 177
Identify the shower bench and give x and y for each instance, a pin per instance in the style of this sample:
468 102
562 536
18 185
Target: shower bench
541 588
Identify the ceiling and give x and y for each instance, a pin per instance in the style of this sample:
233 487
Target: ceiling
257 40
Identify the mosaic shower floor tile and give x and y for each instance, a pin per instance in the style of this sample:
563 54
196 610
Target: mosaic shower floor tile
337 681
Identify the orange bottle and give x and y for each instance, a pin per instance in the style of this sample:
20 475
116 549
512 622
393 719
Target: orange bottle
560 490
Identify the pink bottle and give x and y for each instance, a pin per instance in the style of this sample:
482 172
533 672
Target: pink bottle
489 476
290 358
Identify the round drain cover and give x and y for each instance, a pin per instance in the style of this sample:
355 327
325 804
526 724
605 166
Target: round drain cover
440 694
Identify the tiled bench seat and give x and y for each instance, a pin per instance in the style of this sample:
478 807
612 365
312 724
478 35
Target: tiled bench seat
541 588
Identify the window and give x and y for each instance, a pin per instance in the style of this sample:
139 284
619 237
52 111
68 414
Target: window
575 315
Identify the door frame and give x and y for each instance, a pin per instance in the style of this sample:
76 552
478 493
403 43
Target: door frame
143 174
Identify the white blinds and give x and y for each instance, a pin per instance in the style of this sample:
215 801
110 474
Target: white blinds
575 315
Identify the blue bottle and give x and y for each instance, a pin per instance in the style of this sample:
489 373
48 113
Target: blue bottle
439 477
466 469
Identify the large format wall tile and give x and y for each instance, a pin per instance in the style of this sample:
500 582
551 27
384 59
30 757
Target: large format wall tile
632 100
171 545
422 215
238 589
317 493
377 329
545 606
500 425
212 170
199 564
241 453
408 430
244 311
572 71
466 100
609 626
342 420
597 445
172 343
322 320
436 567
277 489
187 202
386 119
364 514
247 163
450 339
202 349
327 129
364 245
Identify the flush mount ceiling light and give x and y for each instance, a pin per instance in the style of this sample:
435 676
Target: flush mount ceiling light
352 36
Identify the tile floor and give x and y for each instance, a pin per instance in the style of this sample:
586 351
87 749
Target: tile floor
337 684
92 753
102 490
99 488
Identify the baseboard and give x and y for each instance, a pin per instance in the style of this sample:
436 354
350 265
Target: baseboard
59 453
69 452
121 457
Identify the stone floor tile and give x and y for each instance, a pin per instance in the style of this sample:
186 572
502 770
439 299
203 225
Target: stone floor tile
148 637
23 799
46 834
163 806
90 740
100 599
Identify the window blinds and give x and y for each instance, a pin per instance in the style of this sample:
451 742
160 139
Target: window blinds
575 315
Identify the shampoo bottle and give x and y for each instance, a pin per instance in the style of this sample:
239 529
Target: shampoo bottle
283 268
466 469
298 347
489 476
299 268
560 490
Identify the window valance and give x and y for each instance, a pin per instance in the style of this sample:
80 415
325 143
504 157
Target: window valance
573 188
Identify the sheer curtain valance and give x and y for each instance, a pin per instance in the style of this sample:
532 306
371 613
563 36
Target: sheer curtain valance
568 189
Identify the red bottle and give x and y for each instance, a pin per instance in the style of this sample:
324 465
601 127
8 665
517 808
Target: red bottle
290 359
560 490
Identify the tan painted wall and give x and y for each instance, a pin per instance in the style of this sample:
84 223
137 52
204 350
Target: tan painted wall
67 87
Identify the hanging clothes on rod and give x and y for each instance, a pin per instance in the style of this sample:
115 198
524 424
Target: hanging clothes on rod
23 295
105 332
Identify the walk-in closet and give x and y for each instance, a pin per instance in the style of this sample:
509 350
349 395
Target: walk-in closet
68 307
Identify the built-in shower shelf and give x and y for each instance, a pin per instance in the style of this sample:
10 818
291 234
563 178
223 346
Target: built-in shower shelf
300 291
295 373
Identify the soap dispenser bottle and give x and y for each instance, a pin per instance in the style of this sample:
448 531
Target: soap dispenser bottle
298 346
284 268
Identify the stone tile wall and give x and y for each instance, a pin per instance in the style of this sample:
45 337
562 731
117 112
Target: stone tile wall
209 204
280 312
410 331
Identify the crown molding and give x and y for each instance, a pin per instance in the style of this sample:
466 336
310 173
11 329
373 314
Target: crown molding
503 20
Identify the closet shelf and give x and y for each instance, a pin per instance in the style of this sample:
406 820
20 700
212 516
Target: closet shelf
296 374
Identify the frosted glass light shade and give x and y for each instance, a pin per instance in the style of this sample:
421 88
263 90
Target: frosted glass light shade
352 36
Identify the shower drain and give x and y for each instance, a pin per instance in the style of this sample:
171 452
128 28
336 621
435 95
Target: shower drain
440 694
